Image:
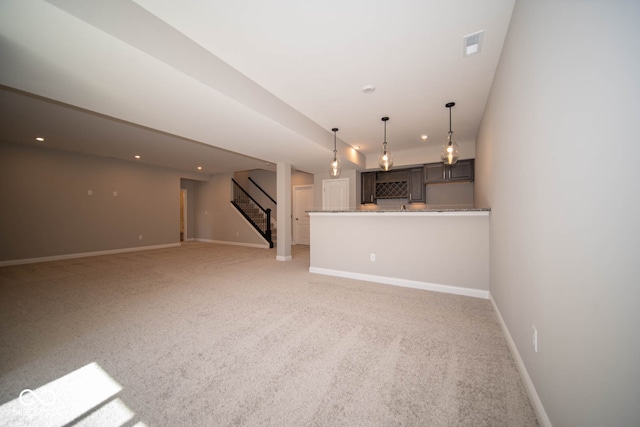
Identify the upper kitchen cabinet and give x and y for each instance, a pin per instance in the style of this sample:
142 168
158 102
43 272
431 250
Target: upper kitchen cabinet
436 173
416 185
368 187
392 185
462 171
396 184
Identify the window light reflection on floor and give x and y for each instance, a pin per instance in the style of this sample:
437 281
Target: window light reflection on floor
84 395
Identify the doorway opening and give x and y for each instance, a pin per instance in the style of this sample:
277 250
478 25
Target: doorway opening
183 214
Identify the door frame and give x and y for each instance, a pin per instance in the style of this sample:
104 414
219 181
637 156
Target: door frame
184 207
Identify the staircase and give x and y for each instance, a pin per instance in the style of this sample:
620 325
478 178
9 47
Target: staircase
257 216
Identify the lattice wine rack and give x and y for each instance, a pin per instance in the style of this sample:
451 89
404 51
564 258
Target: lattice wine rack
391 190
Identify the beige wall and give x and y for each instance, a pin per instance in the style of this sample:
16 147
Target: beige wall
412 248
428 153
47 211
556 161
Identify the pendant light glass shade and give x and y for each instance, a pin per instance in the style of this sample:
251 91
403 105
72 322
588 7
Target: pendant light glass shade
336 166
450 150
385 161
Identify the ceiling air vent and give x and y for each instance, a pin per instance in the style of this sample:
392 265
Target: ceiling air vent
472 43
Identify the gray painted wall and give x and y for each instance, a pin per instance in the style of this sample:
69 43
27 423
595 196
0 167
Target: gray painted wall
47 210
556 161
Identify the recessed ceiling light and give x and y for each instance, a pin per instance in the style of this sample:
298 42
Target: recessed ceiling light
424 137
40 139
368 89
199 168
357 147
137 156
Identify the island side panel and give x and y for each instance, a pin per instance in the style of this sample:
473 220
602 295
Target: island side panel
447 249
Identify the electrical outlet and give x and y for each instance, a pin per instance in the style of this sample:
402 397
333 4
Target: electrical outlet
535 339
372 257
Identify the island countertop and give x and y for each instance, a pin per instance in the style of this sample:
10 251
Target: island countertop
417 212
444 249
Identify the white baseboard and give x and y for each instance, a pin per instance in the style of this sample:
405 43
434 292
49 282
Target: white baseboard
225 242
456 290
543 418
84 254
283 258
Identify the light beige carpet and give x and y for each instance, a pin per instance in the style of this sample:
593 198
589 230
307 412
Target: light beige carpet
209 335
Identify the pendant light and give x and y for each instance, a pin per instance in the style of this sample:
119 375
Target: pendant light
450 150
386 159
335 167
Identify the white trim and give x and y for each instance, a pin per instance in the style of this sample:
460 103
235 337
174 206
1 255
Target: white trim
84 254
447 289
543 418
226 242
283 258
400 213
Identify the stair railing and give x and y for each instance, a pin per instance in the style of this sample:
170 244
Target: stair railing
257 216
263 192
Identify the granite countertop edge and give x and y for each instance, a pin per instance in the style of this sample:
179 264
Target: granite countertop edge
382 211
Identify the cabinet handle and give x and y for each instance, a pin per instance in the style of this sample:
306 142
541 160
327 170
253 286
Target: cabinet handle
409 196
372 197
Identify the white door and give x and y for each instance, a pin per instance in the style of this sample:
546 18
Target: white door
335 194
302 202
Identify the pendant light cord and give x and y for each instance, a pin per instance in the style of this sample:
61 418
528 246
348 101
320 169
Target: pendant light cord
385 138
449 105
384 143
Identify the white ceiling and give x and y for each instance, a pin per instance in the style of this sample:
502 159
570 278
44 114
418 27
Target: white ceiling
264 79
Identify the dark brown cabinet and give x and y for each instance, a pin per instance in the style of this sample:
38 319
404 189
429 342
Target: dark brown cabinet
391 185
462 171
436 173
368 187
416 186
398 184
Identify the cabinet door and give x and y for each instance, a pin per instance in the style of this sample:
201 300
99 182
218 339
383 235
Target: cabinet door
392 176
368 187
462 171
434 172
416 185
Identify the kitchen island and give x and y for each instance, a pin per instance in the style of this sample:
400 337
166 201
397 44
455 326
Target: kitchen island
443 250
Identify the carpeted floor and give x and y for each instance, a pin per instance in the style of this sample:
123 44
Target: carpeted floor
214 335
